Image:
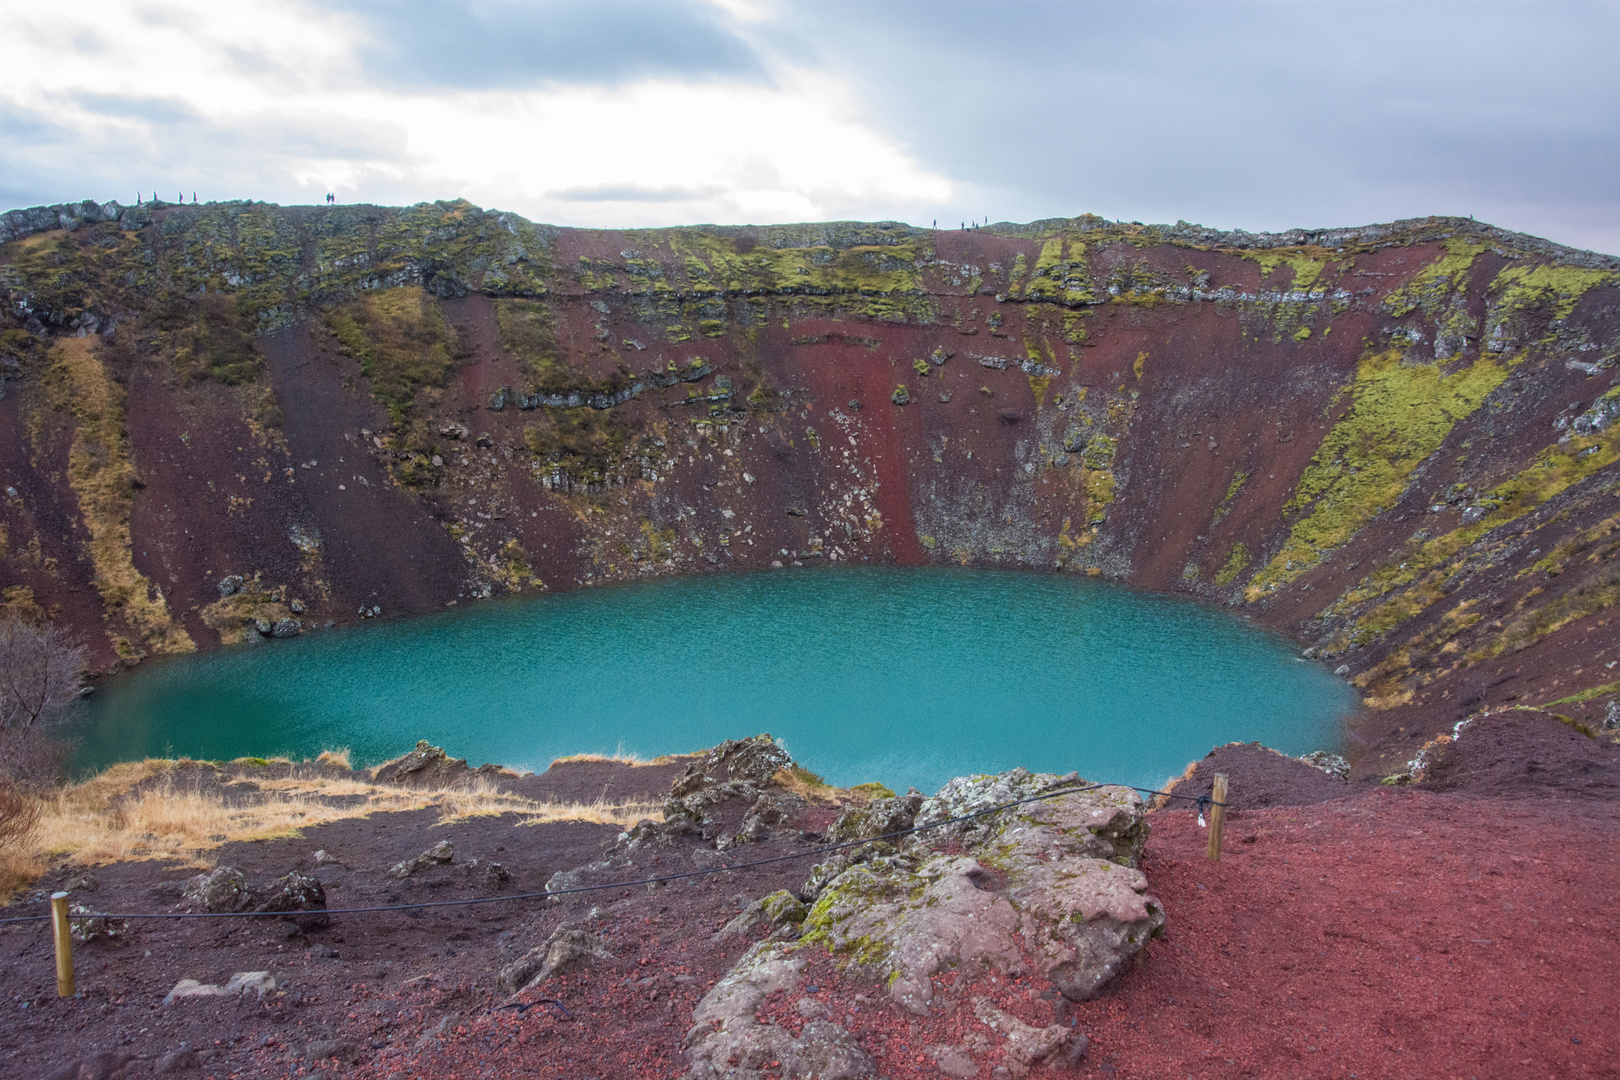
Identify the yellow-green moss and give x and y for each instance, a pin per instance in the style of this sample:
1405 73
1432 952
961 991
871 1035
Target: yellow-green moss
1520 287
1585 695
1236 561
103 481
1399 415
1306 267
1440 278
1554 470
402 341
1239 478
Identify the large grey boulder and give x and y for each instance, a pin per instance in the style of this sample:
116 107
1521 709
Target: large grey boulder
1058 876
1051 883
727 1040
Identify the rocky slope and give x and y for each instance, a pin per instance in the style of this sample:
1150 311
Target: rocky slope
1396 443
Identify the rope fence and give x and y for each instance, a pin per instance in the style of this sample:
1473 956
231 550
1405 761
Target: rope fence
1215 803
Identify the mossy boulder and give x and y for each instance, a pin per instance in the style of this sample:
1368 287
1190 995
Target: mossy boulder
1053 882
728 1040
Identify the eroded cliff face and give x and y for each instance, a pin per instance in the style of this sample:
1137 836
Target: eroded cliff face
1396 443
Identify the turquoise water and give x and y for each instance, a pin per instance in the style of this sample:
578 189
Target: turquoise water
908 676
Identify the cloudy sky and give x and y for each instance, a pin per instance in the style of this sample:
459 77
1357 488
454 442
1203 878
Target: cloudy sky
646 112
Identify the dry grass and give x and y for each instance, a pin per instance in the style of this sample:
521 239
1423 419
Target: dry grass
624 757
1159 802
19 818
155 809
338 757
103 479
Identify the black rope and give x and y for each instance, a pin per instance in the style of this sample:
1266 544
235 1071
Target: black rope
661 879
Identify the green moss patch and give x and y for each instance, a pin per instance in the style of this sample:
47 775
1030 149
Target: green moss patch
403 343
1399 415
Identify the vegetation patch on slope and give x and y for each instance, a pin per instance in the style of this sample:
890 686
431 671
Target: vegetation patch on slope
104 482
1399 414
403 343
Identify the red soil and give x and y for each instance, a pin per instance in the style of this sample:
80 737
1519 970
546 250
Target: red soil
1392 933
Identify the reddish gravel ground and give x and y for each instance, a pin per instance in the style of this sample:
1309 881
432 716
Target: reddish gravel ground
1393 933
1348 932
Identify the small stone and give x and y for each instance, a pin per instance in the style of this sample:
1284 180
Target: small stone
103 1066
322 1049
174 1061
99 928
297 892
224 888
259 983
81 883
489 872
565 951
437 855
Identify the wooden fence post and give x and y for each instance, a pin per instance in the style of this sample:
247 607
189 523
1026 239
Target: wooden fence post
64 944
1217 816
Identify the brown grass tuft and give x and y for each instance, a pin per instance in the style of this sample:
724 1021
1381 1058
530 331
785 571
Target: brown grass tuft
797 780
1159 802
338 757
19 819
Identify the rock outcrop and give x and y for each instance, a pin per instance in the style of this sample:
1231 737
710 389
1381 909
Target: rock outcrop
727 1040
1050 887
1051 883
568 949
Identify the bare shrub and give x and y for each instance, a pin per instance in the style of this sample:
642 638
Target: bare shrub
19 817
31 759
41 667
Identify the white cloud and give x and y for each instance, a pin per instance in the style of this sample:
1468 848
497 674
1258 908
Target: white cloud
201 95
1258 115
